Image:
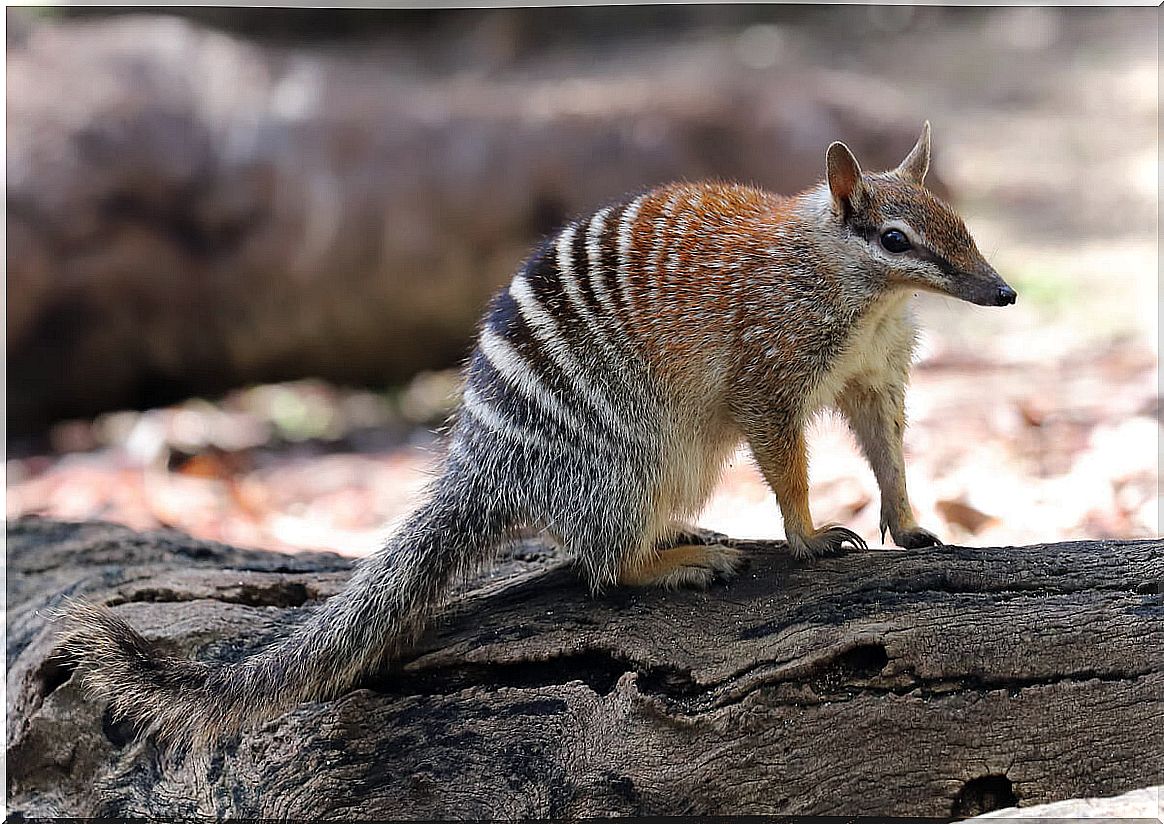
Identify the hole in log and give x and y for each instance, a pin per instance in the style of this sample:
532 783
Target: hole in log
859 663
983 794
54 674
118 732
668 681
600 672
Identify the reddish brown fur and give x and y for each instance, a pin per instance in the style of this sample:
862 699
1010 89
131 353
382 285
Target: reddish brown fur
714 226
892 198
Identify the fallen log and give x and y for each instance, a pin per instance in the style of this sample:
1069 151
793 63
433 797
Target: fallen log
939 682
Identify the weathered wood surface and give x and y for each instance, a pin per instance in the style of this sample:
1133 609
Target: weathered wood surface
929 682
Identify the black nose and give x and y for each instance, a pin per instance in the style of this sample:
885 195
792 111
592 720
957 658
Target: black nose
1005 296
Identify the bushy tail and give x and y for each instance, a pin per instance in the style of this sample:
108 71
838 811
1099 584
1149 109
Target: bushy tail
380 613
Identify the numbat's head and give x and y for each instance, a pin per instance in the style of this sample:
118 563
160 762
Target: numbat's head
904 235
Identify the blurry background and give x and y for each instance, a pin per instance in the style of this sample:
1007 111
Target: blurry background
246 248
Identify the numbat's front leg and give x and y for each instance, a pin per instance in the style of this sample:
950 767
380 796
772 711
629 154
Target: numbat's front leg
783 460
876 415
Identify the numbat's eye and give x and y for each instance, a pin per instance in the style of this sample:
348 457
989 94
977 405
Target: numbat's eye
894 240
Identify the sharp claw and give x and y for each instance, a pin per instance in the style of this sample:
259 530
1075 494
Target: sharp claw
828 540
858 541
917 538
847 535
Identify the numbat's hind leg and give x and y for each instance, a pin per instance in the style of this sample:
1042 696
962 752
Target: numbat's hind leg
683 566
688 534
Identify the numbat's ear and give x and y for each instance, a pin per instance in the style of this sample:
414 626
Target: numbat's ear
917 162
844 176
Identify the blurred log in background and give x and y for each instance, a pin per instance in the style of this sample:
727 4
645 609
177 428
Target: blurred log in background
190 211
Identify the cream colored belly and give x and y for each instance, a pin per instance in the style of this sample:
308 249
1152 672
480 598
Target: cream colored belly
693 461
872 354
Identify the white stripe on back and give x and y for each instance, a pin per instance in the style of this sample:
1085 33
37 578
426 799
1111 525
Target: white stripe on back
565 258
666 216
480 409
655 279
513 367
594 324
625 239
545 329
682 227
594 262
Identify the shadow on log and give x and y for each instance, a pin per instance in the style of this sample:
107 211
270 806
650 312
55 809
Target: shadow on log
940 682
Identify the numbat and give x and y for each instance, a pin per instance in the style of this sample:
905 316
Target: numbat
623 364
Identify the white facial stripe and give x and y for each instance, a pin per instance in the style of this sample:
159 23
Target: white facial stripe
915 237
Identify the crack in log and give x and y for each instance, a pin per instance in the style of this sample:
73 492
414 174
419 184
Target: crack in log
884 596
1015 589
597 669
283 594
1013 686
832 686
849 674
852 673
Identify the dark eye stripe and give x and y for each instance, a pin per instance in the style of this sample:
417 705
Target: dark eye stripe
930 256
869 232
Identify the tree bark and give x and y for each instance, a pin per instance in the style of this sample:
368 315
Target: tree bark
938 682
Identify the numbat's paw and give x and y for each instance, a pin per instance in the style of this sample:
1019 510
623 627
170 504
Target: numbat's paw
828 540
916 538
686 566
